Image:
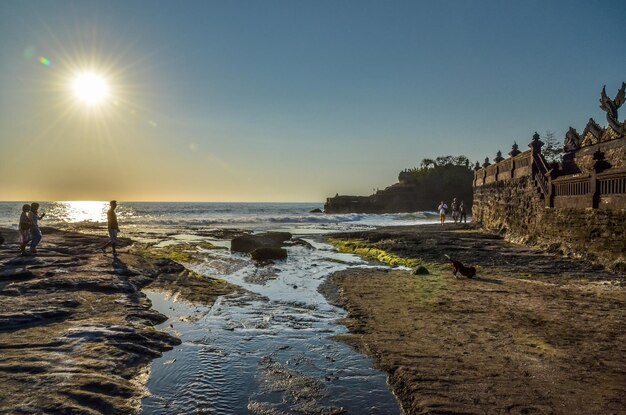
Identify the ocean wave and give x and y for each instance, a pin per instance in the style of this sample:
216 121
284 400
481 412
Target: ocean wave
371 219
165 215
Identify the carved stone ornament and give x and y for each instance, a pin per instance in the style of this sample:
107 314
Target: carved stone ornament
499 157
477 166
514 150
592 134
486 163
572 140
536 144
611 106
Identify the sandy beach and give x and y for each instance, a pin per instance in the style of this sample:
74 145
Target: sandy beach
534 333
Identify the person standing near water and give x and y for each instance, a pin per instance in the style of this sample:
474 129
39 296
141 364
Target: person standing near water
24 228
442 212
35 232
113 228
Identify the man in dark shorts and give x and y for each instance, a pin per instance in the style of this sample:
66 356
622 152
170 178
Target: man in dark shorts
113 228
456 214
463 216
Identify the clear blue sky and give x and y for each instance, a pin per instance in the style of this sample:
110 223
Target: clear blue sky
288 100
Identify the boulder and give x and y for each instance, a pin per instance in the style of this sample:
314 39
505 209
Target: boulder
248 243
299 241
316 210
421 270
277 237
267 253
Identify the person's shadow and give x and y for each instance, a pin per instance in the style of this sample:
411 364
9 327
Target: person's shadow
121 269
119 266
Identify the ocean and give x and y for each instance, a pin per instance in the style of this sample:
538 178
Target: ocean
138 217
241 355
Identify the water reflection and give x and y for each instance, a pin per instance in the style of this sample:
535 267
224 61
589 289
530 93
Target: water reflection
79 211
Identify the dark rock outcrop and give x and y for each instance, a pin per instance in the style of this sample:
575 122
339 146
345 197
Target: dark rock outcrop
267 253
248 243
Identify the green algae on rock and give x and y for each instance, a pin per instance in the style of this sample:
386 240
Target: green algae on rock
365 250
181 253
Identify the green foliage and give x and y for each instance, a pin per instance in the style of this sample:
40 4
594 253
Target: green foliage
552 150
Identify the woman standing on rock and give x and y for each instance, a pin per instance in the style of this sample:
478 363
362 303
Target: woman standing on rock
35 232
24 228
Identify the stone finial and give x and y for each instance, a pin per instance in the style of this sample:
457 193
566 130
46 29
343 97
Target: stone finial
514 150
477 166
486 163
536 144
499 157
572 140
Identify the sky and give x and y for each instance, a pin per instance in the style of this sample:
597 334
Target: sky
286 101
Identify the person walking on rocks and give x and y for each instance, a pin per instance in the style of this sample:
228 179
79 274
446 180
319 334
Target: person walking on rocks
442 212
35 232
456 214
24 228
113 228
463 216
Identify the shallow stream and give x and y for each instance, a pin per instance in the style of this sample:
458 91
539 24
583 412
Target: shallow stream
268 351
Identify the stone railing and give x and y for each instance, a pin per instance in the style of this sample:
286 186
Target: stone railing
600 186
591 190
514 167
541 173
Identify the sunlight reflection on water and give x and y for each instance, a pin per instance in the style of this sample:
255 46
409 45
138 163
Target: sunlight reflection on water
80 211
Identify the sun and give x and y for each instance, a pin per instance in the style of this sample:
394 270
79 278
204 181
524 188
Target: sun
90 88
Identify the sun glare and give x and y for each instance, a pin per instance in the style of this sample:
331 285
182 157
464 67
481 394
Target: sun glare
83 211
90 88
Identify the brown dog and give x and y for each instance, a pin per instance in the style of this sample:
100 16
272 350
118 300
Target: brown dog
468 272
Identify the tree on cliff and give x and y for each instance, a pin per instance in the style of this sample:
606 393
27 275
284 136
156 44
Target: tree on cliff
443 178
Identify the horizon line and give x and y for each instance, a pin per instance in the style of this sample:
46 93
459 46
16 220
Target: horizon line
149 201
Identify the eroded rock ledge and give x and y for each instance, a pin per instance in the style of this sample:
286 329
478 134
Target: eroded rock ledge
76 332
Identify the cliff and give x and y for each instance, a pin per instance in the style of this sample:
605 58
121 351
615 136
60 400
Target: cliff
418 190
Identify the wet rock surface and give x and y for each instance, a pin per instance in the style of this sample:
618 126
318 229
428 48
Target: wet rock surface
249 243
76 332
534 333
474 247
268 254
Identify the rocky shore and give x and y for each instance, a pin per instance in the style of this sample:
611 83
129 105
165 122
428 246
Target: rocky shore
76 332
533 333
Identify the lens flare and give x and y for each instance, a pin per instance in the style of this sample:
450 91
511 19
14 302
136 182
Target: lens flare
44 61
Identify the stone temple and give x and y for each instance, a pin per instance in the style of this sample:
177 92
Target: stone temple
577 206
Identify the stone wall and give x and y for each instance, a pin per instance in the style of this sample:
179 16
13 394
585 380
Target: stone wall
582 160
507 206
516 209
579 208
